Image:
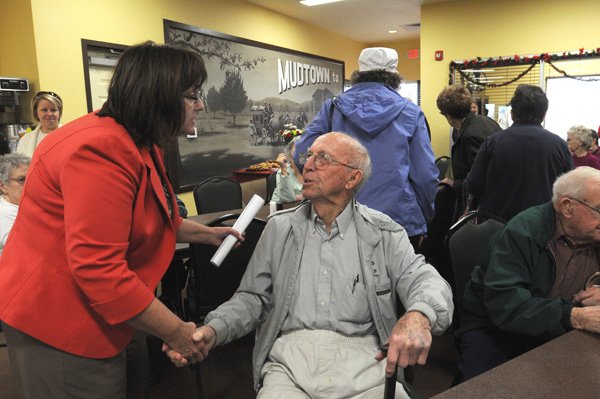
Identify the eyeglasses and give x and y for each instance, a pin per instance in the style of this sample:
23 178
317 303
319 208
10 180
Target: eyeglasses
20 180
322 160
194 98
595 210
47 93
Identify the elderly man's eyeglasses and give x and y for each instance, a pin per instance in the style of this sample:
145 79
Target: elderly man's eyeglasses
322 160
194 98
595 210
20 180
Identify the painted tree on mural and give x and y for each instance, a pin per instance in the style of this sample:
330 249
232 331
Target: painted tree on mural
213 101
211 48
232 93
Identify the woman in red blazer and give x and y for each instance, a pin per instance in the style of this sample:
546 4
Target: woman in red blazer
96 231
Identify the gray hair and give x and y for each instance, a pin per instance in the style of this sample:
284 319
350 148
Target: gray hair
360 159
9 162
582 134
575 183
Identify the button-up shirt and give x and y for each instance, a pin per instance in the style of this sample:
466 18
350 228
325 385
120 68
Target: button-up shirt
329 293
574 264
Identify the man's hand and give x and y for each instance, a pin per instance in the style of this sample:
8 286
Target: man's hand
409 342
587 318
588 297
204 340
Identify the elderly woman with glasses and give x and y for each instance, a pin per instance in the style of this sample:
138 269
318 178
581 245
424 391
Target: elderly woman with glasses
289 179
13 168
47 109
579 140
72 302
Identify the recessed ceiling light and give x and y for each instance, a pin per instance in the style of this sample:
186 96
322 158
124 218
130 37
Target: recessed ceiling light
311 3
392 31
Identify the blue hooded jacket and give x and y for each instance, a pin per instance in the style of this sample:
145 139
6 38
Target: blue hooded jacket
404 180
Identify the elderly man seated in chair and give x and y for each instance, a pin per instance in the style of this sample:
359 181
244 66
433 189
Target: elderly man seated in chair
535 286
324 287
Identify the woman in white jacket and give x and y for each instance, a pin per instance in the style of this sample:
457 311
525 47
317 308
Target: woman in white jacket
47 109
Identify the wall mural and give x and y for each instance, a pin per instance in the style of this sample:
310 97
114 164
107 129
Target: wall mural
253 93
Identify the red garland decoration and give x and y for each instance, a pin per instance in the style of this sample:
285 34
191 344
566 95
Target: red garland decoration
517 60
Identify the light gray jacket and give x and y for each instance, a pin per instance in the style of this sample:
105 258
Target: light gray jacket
391 271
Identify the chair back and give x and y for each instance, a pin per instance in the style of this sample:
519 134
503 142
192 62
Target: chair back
433 246
468 245
217 194
208 285
271 184
442 164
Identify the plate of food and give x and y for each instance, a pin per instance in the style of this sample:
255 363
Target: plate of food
263 166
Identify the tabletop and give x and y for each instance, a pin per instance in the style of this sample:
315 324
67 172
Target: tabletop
566 367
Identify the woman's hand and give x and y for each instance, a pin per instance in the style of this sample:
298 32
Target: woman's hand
196 233
283 159
204 339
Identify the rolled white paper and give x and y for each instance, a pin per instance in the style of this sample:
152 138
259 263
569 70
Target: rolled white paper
256 202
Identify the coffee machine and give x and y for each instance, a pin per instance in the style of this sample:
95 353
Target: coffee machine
11 121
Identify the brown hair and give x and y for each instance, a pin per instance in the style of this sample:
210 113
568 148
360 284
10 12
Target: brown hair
455 101
146 91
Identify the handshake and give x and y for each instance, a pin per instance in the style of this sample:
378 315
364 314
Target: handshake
191 345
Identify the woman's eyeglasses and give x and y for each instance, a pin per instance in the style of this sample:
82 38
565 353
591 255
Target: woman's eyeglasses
322 160
20 180
194 98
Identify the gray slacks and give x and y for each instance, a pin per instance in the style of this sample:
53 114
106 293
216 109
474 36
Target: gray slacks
42 371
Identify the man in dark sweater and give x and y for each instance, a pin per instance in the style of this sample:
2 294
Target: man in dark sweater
537 284
515 169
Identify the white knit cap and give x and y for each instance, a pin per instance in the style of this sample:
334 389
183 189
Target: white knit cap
378 58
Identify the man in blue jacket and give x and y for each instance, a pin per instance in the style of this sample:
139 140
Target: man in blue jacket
404 180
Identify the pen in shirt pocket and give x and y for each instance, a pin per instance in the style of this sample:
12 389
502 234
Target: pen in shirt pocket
355 282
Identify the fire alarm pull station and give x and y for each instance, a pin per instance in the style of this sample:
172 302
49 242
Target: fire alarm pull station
439 55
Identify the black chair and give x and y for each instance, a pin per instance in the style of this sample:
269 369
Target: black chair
433 246
442 164
468 246
217 194
209 286
271 185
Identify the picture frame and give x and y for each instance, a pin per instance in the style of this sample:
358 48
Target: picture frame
253 91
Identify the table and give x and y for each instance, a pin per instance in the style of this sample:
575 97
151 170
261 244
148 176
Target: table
566 367
243 175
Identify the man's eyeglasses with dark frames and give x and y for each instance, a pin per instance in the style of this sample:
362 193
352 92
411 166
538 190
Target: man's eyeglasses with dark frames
322 160
194 98
595 210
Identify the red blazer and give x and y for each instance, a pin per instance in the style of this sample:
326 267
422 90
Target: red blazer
91 241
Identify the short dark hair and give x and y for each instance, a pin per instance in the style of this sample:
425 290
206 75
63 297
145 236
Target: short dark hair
455 101
388 78
529 104
146 91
